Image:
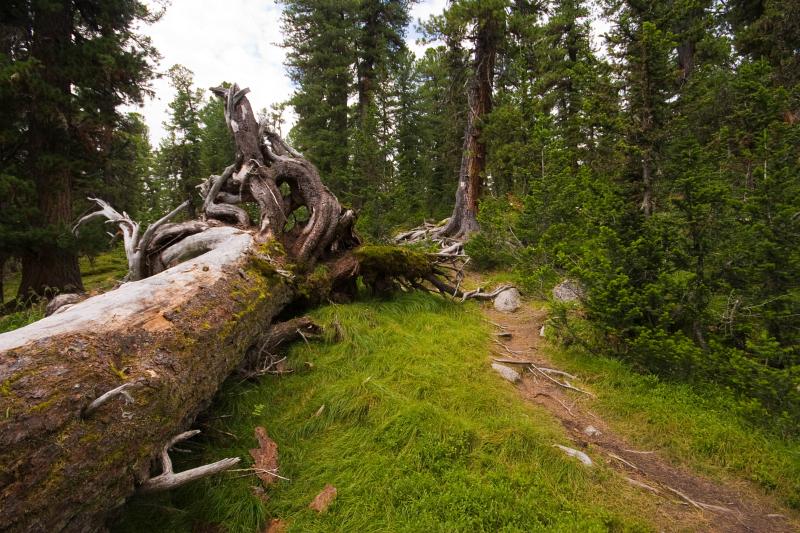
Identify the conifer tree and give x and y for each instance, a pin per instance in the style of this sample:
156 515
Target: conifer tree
321 52
178 157
66 68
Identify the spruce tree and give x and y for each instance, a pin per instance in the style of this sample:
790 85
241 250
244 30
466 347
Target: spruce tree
178 157
321 52
66 68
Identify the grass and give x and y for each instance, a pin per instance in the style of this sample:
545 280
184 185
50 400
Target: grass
417 434
99 274
705 427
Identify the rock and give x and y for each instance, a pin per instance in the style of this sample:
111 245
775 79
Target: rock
579 455
568 291
508 301
59 303
506 373
323 499
592 431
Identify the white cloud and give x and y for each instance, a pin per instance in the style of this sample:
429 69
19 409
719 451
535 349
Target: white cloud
235 40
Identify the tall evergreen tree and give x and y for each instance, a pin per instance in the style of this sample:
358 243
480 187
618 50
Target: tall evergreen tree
487 20
66 68
642 44
320 42
178 158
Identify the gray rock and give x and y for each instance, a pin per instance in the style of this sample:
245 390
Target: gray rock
508 301
592 431
569 291
509 374
60 302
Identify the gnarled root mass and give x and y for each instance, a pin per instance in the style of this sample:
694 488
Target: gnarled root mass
92 397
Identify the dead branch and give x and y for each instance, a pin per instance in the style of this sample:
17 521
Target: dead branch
104 398
641 485
623 461
565 385
557 400
542 368
698 505
168 479
135 245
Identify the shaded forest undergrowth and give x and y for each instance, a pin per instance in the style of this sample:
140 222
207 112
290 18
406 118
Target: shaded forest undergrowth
399 402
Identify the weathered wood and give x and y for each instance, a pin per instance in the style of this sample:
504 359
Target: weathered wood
174 336
90 396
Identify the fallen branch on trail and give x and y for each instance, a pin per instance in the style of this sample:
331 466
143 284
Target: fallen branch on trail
532 363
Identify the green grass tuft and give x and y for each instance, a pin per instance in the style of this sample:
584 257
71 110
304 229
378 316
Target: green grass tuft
417 434
706 427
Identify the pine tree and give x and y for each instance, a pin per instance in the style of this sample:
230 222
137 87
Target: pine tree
66 68
178 157
320 42
487 20
642 46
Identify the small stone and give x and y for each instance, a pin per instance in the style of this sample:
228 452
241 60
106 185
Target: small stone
506 373
508 301
592 431
568 291
60 303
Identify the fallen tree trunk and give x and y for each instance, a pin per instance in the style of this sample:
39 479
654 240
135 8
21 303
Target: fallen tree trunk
93 396
173 337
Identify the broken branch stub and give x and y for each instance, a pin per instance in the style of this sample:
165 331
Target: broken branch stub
168 479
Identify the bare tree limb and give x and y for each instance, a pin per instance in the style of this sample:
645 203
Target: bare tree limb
168 479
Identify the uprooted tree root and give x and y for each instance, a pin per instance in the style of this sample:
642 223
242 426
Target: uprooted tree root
94 396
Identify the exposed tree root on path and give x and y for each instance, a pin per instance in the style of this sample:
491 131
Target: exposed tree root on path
687 500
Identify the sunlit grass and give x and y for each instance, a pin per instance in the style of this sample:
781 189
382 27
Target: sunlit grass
417 434
704 427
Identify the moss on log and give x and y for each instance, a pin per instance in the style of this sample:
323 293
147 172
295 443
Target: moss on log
175 337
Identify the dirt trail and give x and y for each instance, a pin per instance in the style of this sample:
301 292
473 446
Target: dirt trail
688 501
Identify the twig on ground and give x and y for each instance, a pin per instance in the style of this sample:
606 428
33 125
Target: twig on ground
644 486
168 479
698 505
623 461
557 400
565 385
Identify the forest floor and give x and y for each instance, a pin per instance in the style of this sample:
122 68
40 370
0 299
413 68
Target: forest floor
400 410
688 500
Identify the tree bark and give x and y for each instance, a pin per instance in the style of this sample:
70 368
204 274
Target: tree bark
68 457
174 337
91 397
464 219
51 266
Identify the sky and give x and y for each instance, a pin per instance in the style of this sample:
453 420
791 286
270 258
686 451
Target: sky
230 40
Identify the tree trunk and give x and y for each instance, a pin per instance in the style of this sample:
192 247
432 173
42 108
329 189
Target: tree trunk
174 337
70 452
3 259
91 396
50 265
473 156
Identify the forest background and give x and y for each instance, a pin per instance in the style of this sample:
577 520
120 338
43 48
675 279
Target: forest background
660 169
